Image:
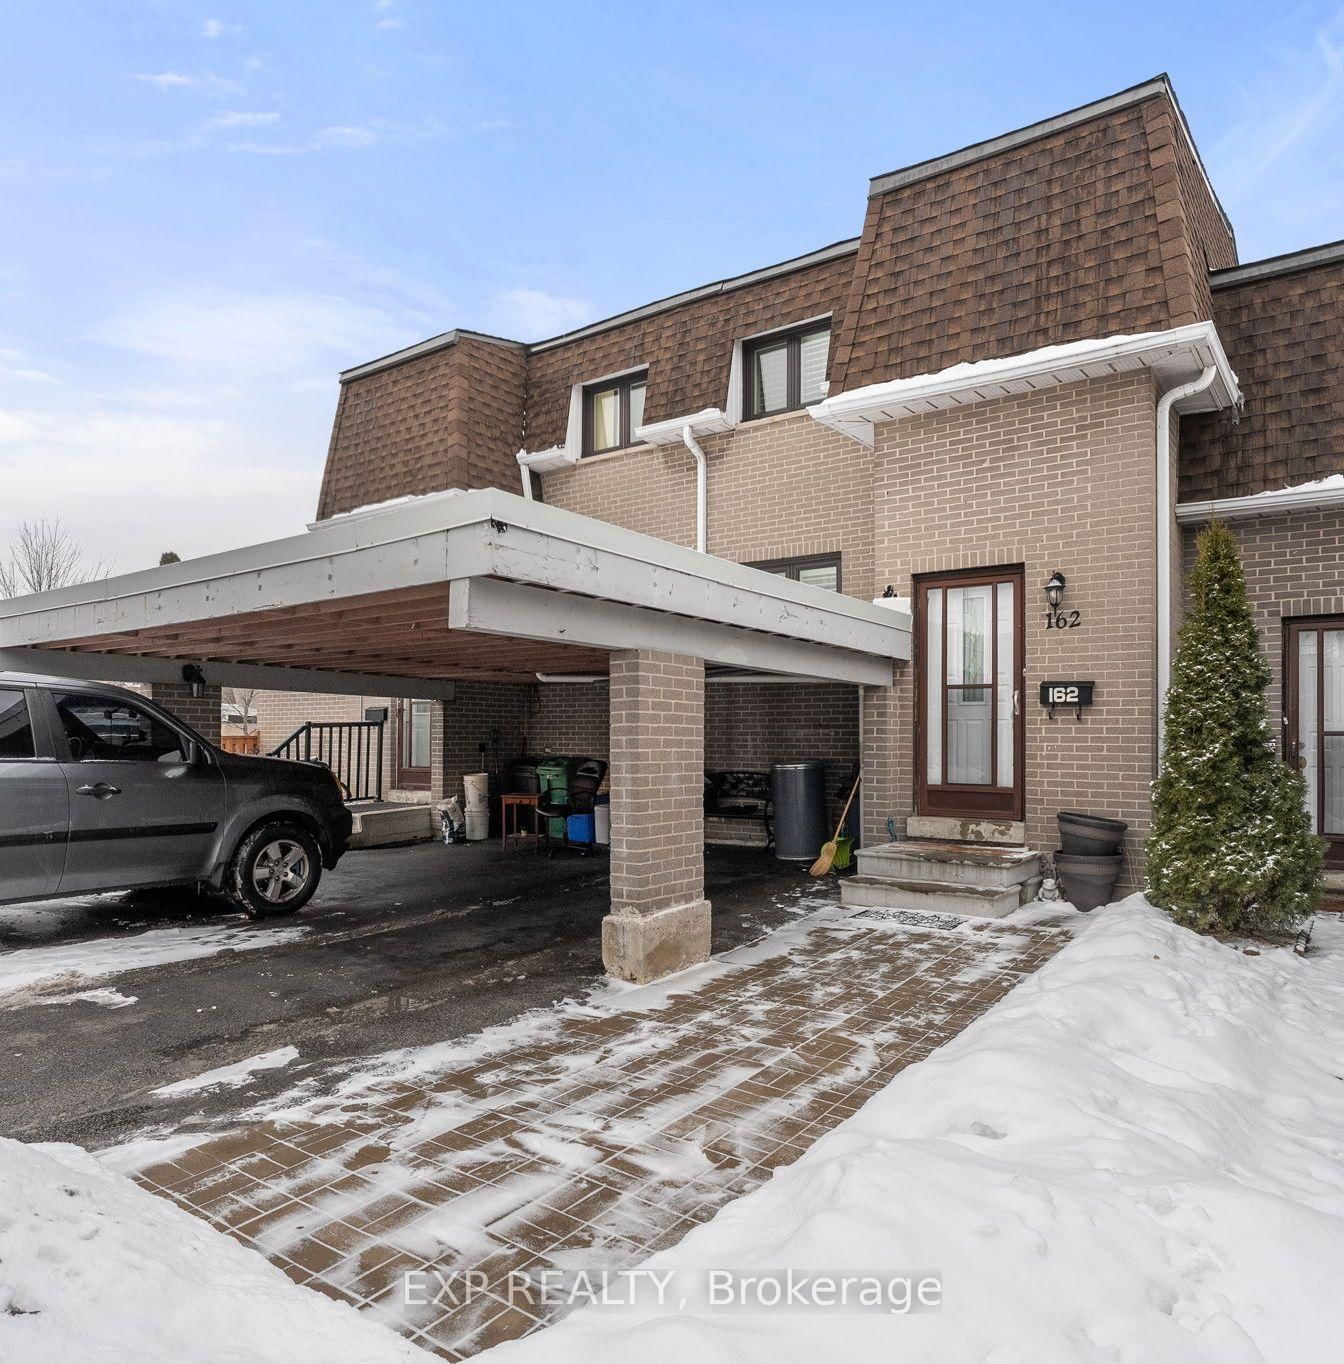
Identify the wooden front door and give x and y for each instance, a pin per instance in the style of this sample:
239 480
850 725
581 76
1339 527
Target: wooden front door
1315 730
412 745
968 678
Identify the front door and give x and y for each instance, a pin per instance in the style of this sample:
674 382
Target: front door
969 667
1315 729
413 745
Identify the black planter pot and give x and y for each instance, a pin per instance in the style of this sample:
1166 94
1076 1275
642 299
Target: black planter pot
1090 835
1088 881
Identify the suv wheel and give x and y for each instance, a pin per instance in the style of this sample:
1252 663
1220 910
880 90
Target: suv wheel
275 870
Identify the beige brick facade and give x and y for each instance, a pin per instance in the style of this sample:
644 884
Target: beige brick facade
1061 479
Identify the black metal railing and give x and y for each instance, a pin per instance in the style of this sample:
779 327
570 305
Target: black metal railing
353 749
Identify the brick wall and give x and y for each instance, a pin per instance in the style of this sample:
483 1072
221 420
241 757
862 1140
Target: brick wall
1061 479
459 727
657 755
778 488
201 713
1294 567
569 719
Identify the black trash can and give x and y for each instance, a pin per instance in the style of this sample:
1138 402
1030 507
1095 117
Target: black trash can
799 791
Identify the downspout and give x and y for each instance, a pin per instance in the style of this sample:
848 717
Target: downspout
527 480
701 488
1164 405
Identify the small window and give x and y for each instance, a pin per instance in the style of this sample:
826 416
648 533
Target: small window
16 729
816 570
612 412
101 729
785 372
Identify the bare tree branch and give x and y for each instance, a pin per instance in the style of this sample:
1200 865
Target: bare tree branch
44 555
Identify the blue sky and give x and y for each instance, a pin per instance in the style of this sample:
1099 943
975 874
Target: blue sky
210 209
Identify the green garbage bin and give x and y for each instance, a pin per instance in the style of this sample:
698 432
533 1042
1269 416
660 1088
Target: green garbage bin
553 784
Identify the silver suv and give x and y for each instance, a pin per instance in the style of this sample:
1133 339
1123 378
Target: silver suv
100 789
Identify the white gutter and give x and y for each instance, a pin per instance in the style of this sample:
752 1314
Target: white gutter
1164 519
701 488
1275 502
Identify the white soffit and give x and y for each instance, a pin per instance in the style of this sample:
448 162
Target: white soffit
1174 356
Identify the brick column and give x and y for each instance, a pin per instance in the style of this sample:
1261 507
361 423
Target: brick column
886 742
201 713
659 920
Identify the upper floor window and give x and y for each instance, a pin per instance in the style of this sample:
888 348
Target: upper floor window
785 371
612 411
816 570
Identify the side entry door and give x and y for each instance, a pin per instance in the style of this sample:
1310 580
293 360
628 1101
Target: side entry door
141 810
34 804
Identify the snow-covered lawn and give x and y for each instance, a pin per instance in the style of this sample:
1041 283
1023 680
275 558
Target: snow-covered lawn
94 1269
1137 1156
72 966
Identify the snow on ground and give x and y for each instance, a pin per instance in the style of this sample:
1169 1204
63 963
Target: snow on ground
1136 1156
230 1077
93 1268
71 966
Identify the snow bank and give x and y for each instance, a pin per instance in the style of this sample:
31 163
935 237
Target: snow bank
1137 1156
93 1268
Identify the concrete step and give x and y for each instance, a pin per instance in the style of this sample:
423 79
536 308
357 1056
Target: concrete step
377 826
934 860
934 897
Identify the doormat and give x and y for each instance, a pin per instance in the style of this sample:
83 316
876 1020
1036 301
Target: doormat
911 918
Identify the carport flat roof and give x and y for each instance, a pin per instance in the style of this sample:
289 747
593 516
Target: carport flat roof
483 585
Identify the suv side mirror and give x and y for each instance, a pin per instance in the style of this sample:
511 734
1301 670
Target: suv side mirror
193 753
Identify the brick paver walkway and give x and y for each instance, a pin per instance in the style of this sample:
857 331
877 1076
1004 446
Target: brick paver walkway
603 1138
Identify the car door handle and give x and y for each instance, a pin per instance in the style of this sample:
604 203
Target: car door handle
100 790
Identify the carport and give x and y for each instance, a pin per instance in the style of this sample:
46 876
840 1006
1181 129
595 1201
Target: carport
489 587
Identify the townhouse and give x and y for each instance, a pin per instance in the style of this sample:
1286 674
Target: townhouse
921 501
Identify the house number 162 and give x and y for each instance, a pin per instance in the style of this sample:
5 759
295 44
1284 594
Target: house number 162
1062 620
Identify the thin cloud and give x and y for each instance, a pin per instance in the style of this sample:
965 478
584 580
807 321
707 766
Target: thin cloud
217 28
166 80
533 314
349 137
392 23
243 118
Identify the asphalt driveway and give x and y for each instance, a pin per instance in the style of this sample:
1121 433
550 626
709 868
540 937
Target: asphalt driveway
401 947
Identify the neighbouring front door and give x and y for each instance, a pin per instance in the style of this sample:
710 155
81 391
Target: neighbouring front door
969 680
413 749
1315 729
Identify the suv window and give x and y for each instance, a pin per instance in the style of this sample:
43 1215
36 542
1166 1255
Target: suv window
16 729
101 729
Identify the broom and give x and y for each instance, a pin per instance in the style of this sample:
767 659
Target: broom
823 863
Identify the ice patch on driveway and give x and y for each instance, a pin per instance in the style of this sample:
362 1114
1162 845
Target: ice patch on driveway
69 966
104 996
230 1076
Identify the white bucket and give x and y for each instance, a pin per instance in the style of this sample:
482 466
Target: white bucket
478 825
477 786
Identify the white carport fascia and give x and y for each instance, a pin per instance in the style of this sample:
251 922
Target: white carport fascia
490 606
486 533
1176 357
99 667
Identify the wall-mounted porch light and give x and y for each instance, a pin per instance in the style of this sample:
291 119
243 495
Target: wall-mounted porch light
1054 590
195 679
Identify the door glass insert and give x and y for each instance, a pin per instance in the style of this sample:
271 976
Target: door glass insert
1308 733
417 735
933 699
1005 618
970 709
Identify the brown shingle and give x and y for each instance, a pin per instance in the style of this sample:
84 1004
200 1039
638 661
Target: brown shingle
1284 335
